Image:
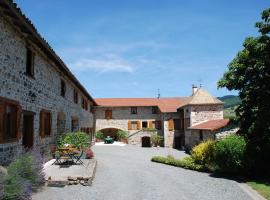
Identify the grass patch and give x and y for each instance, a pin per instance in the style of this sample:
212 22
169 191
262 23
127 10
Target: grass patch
186 162
262 187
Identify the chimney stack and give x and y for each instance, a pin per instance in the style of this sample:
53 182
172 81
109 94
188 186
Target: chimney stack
194 89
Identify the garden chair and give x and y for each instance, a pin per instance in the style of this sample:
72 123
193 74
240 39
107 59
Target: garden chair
78 157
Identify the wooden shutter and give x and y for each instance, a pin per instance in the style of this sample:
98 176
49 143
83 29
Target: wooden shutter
158 125
150 124
18 124
171 124
139 125
2 110
129 125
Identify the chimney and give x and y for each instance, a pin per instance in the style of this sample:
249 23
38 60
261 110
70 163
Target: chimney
194 89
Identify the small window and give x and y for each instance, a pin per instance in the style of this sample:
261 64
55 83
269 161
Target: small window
108 114
75 96
29 62
63 88
144 124
45 123
201 135
134 125
133 110
154 110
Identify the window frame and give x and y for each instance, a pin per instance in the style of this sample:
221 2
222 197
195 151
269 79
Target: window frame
134 110
75 96
63 88
30 62
42 128
108 114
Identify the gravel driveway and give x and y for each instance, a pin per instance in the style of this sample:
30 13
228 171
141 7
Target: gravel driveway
126 173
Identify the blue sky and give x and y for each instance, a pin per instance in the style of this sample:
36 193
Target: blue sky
128 48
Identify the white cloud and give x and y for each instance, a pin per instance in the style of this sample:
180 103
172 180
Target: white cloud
106 63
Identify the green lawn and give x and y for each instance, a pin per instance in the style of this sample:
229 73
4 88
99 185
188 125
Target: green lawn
262 187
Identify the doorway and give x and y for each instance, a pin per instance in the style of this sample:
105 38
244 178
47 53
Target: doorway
146 141
28 130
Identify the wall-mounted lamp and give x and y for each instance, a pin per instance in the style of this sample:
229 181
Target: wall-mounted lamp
33 96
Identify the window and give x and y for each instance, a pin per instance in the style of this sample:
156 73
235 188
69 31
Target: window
154 110
29 62
108 114
63 88
158 125
45 123
170 124
9 121
187 123
134 125
201 135
75 96
133 110
177 124
144 124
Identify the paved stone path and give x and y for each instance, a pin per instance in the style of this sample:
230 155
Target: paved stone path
126 173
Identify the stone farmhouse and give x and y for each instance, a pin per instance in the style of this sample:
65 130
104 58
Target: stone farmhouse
39 96
40 99
181 121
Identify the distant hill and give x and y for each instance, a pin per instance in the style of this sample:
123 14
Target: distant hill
230 101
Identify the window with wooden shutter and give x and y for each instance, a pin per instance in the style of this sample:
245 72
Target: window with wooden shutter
150 124
139 125
129 125
108 114
171 124
45 123
10 115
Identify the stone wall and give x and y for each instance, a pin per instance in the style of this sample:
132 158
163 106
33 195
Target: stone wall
15 85
202 113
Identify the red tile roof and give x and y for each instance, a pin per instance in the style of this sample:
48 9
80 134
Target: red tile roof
211 125
164 104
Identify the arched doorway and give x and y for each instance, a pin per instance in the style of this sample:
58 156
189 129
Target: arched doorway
61 123
146 141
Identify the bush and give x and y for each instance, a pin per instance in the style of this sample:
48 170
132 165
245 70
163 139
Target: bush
186 162
229 154
100 135
89 153
24 175
78 139
156 139
121 135
203 153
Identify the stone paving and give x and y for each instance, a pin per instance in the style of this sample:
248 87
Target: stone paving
127 173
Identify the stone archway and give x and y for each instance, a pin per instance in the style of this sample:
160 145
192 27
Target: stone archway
112 132
61 123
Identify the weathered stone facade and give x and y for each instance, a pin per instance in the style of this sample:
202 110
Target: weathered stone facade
45 85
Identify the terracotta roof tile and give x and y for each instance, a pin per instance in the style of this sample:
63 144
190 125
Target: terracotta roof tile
211 125
164 104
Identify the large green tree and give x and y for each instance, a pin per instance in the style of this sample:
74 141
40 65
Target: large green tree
249 73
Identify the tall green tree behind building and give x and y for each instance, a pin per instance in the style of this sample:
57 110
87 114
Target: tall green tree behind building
249 73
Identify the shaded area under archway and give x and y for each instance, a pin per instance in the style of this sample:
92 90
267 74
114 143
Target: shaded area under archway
146 141
112 132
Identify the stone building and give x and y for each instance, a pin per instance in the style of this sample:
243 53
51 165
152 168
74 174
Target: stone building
39 97
182 121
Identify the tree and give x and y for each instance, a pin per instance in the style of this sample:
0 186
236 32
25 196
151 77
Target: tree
249 73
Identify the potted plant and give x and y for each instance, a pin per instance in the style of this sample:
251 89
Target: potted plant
122 136
156 139
99 136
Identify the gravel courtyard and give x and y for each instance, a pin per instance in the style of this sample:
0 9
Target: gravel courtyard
125 172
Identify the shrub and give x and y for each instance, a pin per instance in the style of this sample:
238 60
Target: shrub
156 139
203 153
89 153
78 139
24 175
186 162
229 154
121 135
99 135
